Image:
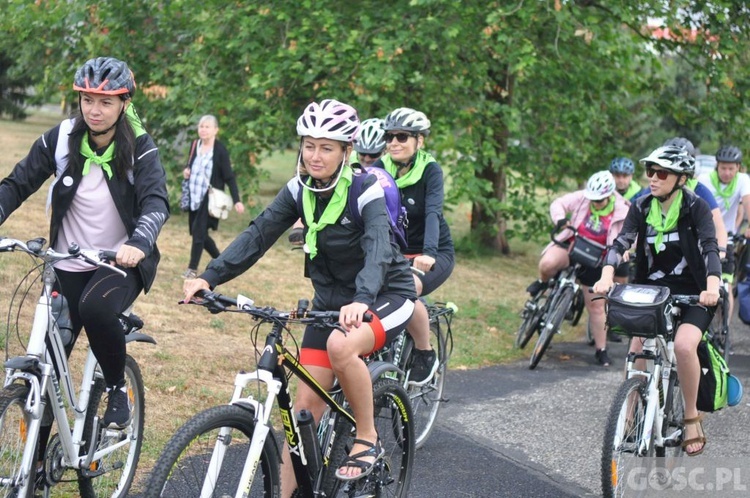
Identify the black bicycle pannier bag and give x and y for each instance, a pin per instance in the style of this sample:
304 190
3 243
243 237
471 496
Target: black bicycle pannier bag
638 310
586 252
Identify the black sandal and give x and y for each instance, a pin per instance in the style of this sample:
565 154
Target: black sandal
375 450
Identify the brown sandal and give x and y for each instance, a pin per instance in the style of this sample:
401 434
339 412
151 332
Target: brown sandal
701 439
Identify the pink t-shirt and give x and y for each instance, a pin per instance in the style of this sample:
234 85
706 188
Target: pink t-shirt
92 221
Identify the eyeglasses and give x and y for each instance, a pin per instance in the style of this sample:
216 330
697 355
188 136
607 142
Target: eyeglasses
661 174
371 156
401 137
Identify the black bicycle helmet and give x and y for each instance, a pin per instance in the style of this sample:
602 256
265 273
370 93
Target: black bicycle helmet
105 76
729 154
682 142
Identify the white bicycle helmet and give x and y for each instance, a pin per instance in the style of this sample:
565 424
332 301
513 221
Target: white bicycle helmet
370 137
407 119
600 186
330 119
673 158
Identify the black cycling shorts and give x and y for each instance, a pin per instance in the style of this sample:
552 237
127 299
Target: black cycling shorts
431 280
391 314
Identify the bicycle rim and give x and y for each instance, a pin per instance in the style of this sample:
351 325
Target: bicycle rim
623 471
183 468
391 476
14 424
118 467
555 317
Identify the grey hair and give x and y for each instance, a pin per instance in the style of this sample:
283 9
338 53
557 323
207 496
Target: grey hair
209 117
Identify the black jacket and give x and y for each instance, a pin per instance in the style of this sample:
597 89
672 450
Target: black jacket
352 265
697 238
142 193
222 174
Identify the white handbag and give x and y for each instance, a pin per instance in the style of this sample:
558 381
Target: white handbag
219 203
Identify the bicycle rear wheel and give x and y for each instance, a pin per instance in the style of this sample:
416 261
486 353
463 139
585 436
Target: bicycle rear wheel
719 329
113 474
14 424
623 439
224 432
674 414
426 399
391 476
555 316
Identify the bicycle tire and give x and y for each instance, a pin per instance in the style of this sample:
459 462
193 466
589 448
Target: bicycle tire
674 414
719 330
555 316
589 334
530 322
344 432
622 438
14 421
391 476
426 400
119 466
579 304
182 466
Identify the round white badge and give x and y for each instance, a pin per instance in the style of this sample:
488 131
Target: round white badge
662 247
306 248
67 181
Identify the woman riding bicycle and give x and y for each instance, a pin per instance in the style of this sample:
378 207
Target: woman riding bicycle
597 213
109 192
430 246
676 248
354 270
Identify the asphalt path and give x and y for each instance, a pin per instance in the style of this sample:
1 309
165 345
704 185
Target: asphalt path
508 431
513 432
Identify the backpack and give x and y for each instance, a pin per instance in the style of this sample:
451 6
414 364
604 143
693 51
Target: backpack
396 211
712 388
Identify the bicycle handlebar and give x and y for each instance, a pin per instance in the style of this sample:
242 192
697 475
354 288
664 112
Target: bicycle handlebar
35 247
217 303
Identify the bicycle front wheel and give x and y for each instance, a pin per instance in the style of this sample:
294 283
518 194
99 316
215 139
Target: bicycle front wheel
14 424
206 455
555 316
112 475
532 315
624 440
426 399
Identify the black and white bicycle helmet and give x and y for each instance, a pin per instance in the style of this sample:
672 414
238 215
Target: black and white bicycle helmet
105 76
600 186
622 165
370 137
407 119
672 158
729 154
681 142
330 119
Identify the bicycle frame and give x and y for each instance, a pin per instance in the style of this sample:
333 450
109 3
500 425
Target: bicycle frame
660 361
48 384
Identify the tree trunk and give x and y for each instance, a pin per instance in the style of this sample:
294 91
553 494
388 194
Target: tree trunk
486 225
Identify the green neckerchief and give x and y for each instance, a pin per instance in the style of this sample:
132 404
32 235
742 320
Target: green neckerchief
414 174
332 212
661 225
727 192
691 183
135 121
109 154
598 213
91 157
633 189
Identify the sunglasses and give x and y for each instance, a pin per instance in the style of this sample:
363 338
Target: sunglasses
661 174
401 137
371 156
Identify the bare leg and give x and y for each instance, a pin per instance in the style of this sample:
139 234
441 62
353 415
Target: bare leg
597 319
553 260
688 370
354 377
306 399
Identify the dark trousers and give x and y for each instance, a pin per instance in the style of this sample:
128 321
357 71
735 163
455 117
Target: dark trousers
199 224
